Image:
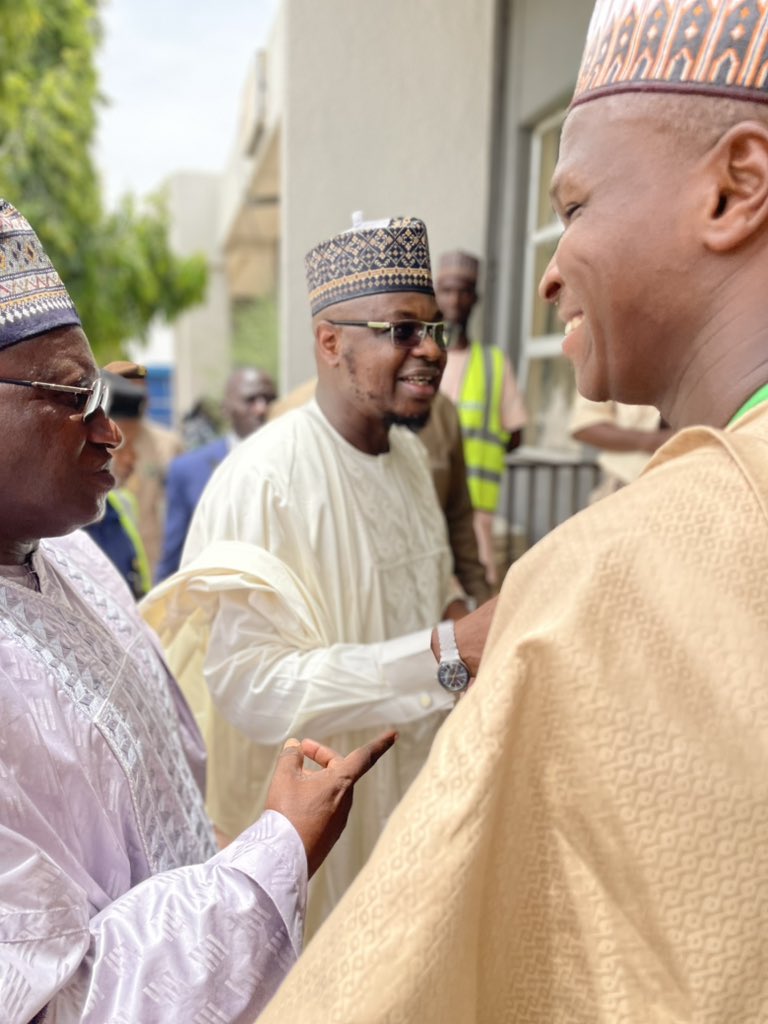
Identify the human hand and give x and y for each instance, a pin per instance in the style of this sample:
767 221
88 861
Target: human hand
456 610
471 633
317 803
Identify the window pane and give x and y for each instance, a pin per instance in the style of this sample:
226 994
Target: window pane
545 318
550 146
549 396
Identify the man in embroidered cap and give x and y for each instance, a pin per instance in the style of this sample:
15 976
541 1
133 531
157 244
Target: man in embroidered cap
113 902
317 561
479 380
588 841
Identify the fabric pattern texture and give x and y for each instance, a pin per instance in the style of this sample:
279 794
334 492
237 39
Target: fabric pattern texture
32 297
588 841
388 256
712 47
113 902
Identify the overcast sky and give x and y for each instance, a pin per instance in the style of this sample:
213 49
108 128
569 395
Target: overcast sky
173 71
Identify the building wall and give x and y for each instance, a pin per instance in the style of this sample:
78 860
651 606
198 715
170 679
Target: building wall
541 50
540 45
387 110
201 337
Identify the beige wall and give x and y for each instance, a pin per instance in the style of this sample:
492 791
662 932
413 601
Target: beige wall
201 338
542 47
386 110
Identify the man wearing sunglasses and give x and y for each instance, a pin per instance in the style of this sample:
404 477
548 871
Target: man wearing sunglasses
114 904
317 561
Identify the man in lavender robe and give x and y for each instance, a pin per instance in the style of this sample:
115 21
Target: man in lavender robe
114 905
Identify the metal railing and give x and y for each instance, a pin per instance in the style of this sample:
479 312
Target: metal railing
543 489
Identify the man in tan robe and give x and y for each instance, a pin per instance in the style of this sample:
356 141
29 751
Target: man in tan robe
588 841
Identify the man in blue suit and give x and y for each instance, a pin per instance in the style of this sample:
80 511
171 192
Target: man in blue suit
247 397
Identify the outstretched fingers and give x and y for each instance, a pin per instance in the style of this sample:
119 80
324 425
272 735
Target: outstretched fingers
364 758
355 764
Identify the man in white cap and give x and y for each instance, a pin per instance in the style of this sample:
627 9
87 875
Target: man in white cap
317 561
588 842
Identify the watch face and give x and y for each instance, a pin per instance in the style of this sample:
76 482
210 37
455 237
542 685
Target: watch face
453 675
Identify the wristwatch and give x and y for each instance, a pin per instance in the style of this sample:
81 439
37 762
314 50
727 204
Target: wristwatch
452 674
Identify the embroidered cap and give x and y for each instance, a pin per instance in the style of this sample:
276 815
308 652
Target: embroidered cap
460 263
33 299
709 47
368 259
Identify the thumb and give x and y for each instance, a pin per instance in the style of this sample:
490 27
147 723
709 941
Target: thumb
290 760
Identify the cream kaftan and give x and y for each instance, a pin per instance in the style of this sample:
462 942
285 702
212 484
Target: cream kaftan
588 842
311 578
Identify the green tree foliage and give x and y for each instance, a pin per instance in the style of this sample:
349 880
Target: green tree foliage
118 266
255 334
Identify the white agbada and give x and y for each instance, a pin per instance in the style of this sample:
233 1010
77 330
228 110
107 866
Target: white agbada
311 578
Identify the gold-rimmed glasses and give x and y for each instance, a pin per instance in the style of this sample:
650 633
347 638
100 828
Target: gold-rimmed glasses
403 333
90 400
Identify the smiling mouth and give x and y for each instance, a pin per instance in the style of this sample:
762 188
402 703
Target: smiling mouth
573 323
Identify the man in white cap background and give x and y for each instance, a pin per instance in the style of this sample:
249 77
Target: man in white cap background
114 904
479 380
588 841
317 561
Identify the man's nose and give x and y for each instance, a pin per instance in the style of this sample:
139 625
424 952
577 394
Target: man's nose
103 430
551 282
429 349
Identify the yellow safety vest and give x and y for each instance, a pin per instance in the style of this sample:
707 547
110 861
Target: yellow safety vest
124 503
485 440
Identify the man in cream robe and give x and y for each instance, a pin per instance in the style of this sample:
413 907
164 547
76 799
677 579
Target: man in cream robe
313 615
588 842
316 565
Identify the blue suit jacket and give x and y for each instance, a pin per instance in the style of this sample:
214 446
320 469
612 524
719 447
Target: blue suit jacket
187 476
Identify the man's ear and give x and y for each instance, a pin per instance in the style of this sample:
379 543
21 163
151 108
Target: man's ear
328 342
738 193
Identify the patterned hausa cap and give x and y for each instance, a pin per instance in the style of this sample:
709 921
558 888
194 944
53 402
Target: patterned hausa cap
461 263
708 47
32 298
370 258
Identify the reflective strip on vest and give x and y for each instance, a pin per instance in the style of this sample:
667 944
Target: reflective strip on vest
124 504
485 440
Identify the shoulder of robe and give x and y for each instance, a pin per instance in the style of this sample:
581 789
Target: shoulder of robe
269 455
699 496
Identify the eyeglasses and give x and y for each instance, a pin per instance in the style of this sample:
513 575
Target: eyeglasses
403 333
267 399
93 398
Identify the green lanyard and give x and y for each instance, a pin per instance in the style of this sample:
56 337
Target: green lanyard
756 399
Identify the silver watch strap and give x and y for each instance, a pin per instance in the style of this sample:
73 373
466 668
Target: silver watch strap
446 637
